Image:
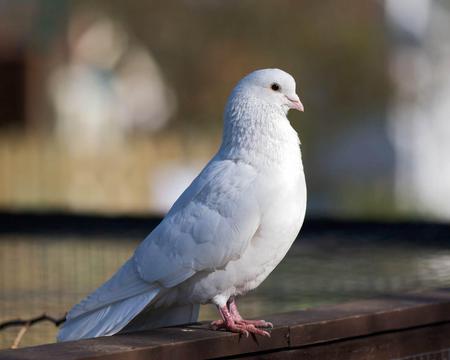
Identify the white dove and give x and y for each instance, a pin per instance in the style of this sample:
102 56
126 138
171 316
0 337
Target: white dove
226 232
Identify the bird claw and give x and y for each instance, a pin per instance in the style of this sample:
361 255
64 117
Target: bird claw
232 321
243 327
256 323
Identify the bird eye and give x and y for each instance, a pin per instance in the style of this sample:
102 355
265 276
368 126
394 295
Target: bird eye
275 87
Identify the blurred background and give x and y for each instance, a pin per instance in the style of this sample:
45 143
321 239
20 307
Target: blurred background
111 108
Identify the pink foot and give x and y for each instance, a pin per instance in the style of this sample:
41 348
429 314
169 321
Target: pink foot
233 321
240 328
238 318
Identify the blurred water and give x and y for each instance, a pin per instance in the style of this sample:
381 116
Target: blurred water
50 274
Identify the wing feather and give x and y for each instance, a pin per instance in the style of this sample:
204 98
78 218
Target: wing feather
209 225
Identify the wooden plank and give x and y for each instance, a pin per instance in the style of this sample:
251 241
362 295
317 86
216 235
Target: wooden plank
424 343
370 316
197 341
301 329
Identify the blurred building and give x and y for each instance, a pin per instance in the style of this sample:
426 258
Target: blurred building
113 106
419 115
76 87
109 86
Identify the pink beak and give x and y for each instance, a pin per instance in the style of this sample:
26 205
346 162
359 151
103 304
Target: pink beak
295 103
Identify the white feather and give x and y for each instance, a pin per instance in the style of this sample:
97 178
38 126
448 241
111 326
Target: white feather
108 320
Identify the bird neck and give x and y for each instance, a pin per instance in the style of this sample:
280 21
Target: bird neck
258 133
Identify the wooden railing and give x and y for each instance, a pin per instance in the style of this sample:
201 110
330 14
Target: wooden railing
408 326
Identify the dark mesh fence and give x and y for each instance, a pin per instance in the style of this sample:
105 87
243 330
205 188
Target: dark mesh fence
48 263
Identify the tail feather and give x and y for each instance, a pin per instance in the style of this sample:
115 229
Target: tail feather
106 321
125 302
124 284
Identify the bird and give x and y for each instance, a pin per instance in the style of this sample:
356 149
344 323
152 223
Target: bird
225 233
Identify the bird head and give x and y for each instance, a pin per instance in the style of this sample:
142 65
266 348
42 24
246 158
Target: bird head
255 117
273 86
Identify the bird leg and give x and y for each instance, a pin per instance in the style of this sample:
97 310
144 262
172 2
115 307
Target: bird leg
238 318
233 321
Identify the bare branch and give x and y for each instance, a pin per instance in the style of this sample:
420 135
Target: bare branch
30 322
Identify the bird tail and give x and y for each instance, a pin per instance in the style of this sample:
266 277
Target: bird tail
122 317
111 307
124 302
105 321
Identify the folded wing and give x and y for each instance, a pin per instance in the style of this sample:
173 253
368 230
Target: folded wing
209 225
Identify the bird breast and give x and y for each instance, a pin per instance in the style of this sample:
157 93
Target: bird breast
283 195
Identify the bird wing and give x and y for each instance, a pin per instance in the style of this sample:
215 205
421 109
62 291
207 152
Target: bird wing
210 224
